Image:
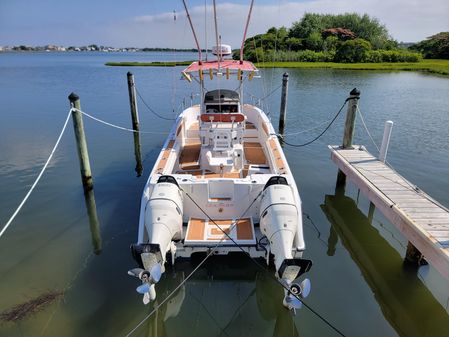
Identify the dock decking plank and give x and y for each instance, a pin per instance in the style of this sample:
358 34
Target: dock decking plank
421 219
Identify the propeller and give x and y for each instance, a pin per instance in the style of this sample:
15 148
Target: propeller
135 272
291 300
155 273
306 286
149 279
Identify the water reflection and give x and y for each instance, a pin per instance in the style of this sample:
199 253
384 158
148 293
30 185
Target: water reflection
269 302
137 154
242 296
170 309
405 301
94 224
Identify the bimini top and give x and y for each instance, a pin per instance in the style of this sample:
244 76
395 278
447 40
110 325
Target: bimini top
224 64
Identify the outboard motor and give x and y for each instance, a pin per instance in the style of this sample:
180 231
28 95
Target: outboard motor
279 222
163 214
163 224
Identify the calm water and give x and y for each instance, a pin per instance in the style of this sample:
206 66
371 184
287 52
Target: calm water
358 282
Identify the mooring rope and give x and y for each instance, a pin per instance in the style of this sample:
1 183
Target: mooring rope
5 227
149 108
366 128
308 130
38 177
266 96
322 133
117 126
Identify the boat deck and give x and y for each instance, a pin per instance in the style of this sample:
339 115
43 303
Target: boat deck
423 221
210 232
184 152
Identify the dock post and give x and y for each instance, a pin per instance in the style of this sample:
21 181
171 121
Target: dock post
348 136
283 110
81 145
413 256
354 96
135 122
132 101
94 224
371 210
385 141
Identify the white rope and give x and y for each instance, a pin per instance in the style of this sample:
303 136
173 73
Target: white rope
366 128
38 177
119 127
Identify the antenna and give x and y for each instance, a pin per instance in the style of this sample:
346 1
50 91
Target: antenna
216 33
205 26
193 31
246 30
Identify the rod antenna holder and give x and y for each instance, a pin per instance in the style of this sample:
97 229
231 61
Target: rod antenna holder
246 30
194 34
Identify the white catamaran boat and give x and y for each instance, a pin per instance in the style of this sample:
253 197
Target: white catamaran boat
221 182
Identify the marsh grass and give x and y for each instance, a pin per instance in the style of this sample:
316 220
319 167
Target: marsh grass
440 67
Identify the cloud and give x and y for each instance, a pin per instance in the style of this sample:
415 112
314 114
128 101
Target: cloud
406 20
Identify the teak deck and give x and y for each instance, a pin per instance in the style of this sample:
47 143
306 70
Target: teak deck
190 155
165 155
422 220
207 232
254 153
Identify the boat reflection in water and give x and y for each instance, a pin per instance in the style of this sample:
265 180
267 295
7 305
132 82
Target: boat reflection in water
221 300
406 303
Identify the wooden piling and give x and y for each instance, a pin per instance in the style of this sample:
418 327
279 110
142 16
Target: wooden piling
81 145
94 224
133 101
135 122
137 154
413 257
371 210
283 110
348 136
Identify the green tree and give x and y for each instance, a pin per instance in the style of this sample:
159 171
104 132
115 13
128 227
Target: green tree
293 44
314 42
363 26
330 43
310 23
353 51
434 47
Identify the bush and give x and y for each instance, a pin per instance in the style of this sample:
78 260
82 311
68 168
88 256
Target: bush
299 56
377 56
352 51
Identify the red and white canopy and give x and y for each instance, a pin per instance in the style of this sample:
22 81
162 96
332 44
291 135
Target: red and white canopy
225 64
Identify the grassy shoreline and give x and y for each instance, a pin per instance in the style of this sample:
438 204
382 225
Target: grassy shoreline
148 64
439 67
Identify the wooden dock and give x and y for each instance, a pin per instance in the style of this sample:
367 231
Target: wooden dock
421 219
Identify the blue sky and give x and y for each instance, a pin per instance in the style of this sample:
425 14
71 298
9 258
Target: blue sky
150 22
